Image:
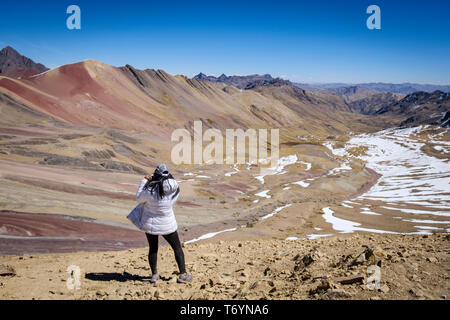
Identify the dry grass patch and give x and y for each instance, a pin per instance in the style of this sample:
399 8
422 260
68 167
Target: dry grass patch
358 151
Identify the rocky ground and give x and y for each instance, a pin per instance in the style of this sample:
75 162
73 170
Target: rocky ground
411 267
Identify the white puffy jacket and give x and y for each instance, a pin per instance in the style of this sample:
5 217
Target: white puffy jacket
157 217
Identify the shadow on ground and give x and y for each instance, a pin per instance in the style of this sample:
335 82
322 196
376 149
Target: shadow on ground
121 277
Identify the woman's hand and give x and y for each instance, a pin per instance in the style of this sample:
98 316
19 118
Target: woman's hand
148 177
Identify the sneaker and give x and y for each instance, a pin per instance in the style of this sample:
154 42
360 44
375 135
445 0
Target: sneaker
184 277
155 277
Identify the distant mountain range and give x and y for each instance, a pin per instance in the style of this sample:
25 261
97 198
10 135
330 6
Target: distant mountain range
13 64
420 103
334 88
91 93
401 88
240 82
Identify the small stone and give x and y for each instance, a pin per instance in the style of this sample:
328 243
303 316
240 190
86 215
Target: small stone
416 292
336 294
214 281
360 259
378 254
322 287
432 259
384 288
350 279
306 276
172 280
262 286
307 259
414 277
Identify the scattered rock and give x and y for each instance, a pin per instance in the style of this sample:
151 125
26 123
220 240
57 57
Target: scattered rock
371 256
377 256
359 259
321 288
307 259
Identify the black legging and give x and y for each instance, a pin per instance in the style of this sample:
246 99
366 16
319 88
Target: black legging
174 242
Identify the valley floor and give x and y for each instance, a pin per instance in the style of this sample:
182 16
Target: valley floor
312 228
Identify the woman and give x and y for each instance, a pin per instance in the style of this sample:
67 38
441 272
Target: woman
158 194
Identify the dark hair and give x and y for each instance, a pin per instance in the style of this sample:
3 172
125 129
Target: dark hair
156 184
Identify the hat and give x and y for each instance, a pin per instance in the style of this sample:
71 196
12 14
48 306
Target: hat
162 170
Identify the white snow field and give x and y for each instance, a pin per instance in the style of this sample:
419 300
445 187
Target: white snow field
408 177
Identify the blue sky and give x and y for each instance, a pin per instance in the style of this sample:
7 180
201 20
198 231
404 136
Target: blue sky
303 41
